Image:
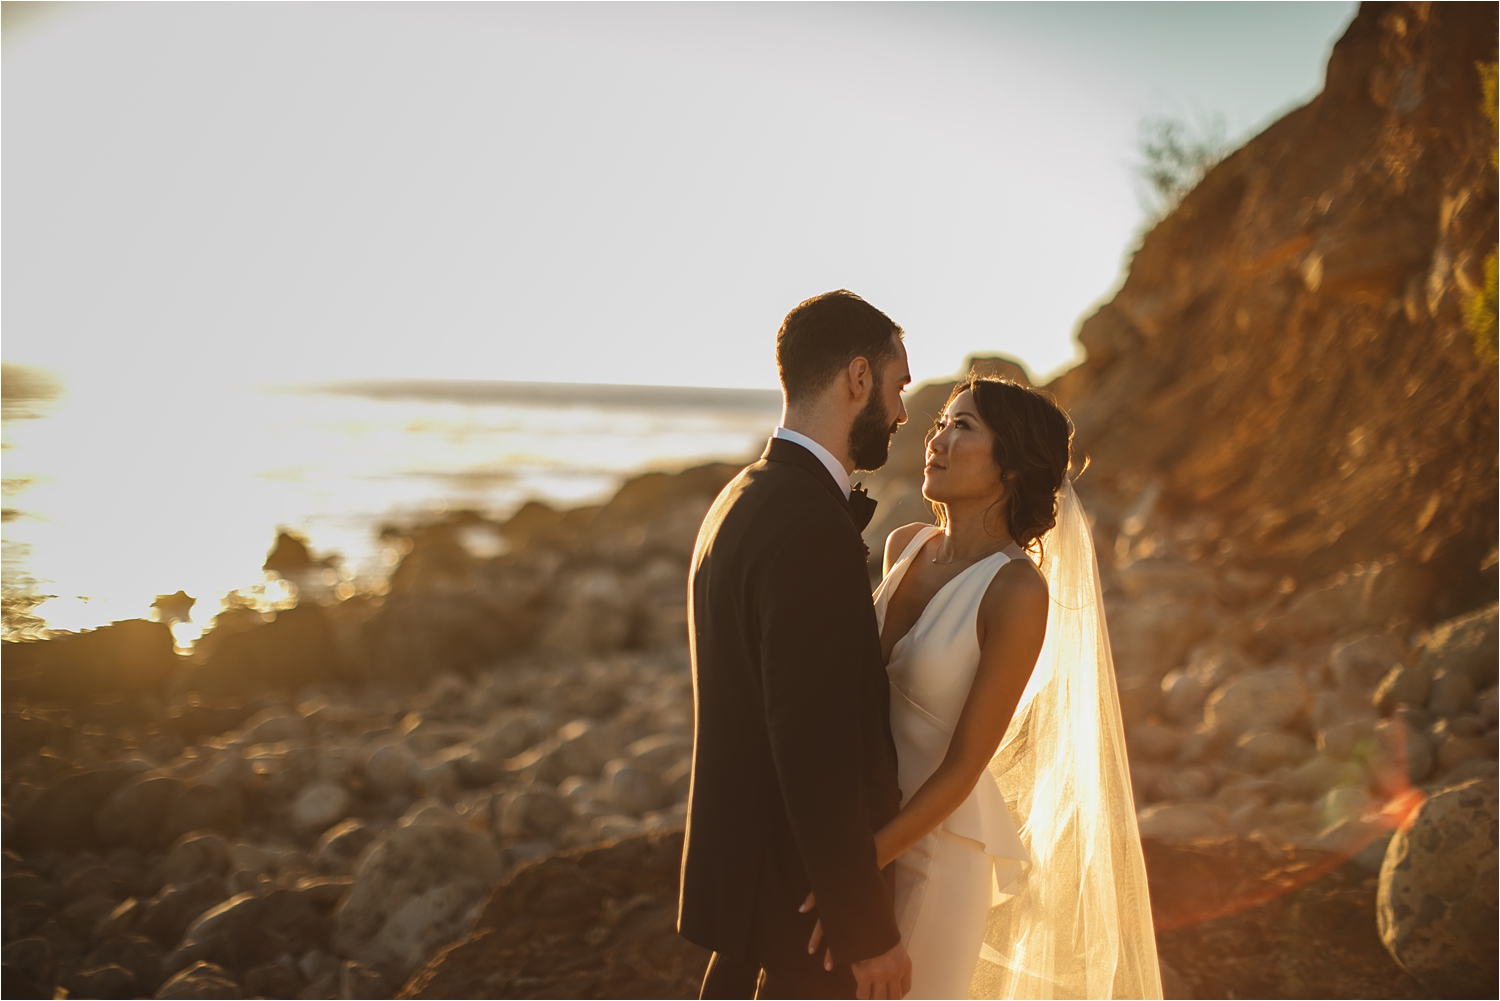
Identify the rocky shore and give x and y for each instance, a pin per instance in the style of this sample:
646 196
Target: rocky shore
314 804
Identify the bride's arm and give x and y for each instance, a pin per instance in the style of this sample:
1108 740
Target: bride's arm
1012 624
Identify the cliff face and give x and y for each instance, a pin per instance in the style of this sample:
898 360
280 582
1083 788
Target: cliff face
1288 356
1289 350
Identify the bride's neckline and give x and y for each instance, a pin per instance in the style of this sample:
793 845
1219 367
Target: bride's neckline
903 566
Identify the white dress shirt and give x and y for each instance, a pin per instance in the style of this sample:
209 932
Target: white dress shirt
835 467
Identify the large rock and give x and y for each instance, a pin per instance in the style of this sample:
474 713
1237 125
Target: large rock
133 815
1465 645
1176 823
595 922
1401 756
202 980
1243 918
62 817
168 915
133 657
250 929
1268 699
414 891
630 789
319 806
1437 902
193 857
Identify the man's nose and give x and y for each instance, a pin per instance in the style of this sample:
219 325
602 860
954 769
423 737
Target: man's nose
900 411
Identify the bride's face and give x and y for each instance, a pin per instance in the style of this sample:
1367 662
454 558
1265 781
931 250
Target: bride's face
960 457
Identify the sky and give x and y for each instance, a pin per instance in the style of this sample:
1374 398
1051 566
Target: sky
201 195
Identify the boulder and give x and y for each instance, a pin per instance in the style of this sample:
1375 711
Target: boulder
1261 699
62 817
411 891
193 857
1452 694
102 981
1437 903
136 953
342 843
392 768
170 912
1373 594
319 805
678 780
588 923
1320 773
200 806
1153 635
1183 694
1403 685
1174 823
277 979
250 929
578 748
1401 756
629 789
1154 741
32 963
273 725
1183 784
1488 706
531 812
201 980
133 815
1454 743
1364 660
1265 750
484 761
1465 645
1347 739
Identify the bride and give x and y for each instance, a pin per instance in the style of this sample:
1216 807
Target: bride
1003 705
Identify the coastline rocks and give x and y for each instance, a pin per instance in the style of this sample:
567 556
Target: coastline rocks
1401 757
414 890
1464 645
62 817
193 857
629 789
1437 899
1270 698
1183 822
599 922
319 805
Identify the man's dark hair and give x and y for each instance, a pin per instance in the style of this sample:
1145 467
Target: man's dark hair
823 335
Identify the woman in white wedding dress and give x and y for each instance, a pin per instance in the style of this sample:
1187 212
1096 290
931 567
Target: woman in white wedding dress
1004 709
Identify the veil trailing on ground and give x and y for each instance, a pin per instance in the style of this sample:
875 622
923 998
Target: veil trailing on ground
1079 922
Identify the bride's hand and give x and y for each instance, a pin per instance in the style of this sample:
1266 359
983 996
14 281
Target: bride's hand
817 933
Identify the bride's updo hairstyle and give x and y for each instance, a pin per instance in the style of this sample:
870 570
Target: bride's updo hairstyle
1033 447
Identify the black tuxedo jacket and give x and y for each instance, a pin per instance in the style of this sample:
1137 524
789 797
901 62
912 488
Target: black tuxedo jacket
793 762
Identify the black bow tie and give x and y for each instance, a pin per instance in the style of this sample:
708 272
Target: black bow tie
861 508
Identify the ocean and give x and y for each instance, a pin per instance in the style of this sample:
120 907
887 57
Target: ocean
112 502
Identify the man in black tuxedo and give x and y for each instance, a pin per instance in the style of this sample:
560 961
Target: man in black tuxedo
793 764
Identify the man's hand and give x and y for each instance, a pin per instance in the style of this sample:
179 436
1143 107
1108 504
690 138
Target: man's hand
887 975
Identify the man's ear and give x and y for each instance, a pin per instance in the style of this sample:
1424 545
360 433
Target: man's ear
859 379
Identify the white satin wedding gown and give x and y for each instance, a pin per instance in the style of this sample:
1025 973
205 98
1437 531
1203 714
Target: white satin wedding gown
1074 914
947 882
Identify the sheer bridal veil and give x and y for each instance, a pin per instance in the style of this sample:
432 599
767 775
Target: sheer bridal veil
1079 923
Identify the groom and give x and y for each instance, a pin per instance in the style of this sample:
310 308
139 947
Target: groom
793 764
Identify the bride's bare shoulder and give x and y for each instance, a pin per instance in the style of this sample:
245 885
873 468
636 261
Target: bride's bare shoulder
897 541
1018 586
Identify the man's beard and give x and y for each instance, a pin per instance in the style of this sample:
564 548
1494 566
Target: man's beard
870 437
